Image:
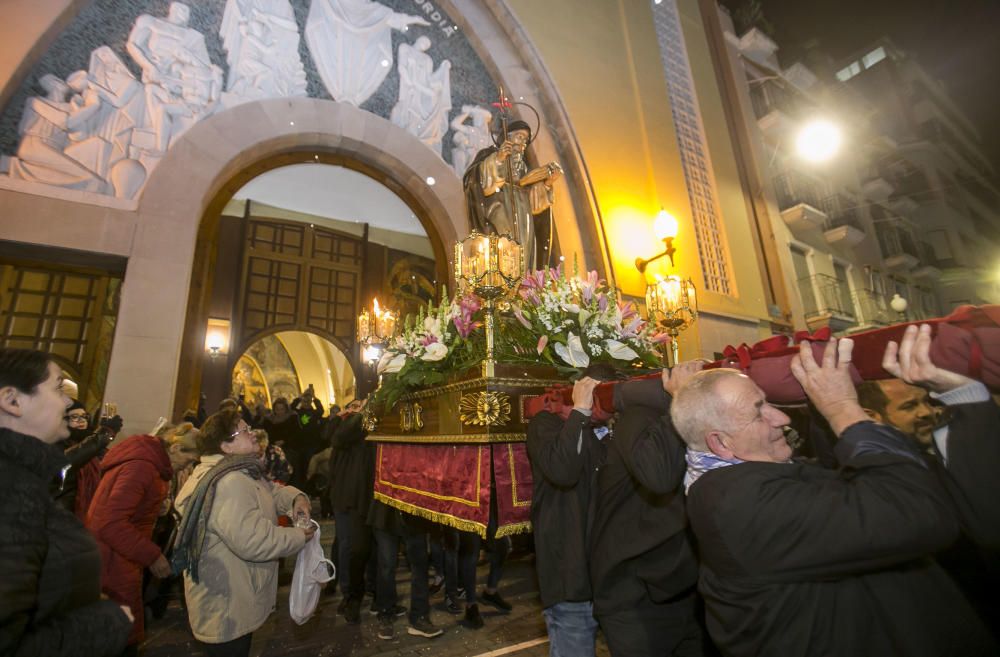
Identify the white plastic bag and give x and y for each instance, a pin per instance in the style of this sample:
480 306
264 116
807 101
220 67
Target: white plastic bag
312 571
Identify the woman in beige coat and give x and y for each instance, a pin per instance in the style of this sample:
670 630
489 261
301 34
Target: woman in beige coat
229 541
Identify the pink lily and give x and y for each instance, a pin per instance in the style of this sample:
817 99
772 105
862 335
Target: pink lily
660 338
633 327
542 342
521 318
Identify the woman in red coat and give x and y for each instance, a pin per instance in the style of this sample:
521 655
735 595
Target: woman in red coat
135 480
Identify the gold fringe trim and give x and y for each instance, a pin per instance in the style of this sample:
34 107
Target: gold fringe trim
460 524
516 528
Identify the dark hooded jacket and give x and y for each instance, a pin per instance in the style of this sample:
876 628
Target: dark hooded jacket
50 589
135 481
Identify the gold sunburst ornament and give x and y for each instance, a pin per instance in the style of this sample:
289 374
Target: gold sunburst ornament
490 409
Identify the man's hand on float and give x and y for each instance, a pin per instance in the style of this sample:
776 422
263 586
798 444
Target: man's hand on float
674 379
910 361
583 393
829 385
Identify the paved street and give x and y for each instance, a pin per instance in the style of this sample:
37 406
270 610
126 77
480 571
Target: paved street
520 633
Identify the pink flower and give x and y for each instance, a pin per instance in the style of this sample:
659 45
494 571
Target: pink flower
534 279
633 327
660 338
627 309
555 274
428 339
589 286
465 326
542 342
521 318
602 302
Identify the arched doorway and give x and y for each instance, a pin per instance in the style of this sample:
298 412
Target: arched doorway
285 364
298 250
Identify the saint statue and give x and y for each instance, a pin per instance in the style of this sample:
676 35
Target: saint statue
504 197
183 86
351 43
469 139
261 39
424 94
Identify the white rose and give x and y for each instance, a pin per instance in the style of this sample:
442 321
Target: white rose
434 351
620 351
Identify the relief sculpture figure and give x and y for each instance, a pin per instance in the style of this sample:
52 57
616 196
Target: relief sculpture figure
424 94
261 39
351 43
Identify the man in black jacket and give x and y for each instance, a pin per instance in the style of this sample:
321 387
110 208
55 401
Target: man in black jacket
565 458
642 565
801 560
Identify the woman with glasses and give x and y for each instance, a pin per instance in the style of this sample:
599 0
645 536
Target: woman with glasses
50 566
229 541
135 480
83 449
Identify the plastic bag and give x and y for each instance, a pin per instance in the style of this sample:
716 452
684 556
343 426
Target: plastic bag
312 571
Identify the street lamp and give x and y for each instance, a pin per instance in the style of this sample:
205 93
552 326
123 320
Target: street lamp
818 141
899 304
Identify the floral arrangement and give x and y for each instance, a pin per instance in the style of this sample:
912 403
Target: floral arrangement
580 321
567 322
432 345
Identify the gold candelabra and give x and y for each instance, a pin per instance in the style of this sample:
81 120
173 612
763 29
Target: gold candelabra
492 267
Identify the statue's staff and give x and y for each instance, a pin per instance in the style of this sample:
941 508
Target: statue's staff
503 105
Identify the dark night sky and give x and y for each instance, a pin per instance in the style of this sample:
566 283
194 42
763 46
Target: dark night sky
956 41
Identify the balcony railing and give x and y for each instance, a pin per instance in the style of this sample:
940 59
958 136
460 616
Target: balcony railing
896 240
825 295
793 188
873 308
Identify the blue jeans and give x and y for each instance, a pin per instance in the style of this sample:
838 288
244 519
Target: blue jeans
572 629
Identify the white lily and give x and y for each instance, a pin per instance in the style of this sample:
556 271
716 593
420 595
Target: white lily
572 352
391 363
434 351
619 350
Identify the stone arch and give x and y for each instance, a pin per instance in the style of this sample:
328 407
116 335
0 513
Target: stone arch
166 289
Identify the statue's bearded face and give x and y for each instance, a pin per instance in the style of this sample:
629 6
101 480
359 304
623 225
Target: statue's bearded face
518 138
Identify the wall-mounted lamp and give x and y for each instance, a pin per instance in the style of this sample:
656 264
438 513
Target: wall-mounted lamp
217 338
665 229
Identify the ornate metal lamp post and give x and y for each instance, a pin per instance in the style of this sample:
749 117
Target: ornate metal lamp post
673 303
492 266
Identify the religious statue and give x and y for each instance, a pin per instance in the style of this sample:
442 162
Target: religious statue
424 94
504 197
183 86
351 43
45 127
261 39
469 139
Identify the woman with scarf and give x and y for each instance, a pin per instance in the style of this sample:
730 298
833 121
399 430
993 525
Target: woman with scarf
50 586
229 541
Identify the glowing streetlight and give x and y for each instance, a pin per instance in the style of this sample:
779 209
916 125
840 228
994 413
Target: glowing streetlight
818 140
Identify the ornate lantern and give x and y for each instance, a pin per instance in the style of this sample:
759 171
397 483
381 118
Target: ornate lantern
492 267
672 303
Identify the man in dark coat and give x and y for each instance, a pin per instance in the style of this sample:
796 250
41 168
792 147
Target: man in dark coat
352 479
642 564
966 452
801 560
565 458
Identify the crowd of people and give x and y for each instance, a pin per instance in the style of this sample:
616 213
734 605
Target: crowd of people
692 521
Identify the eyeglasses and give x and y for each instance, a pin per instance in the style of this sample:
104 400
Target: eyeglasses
78 418
243 429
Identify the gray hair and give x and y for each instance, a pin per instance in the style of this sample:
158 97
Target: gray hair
698 408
